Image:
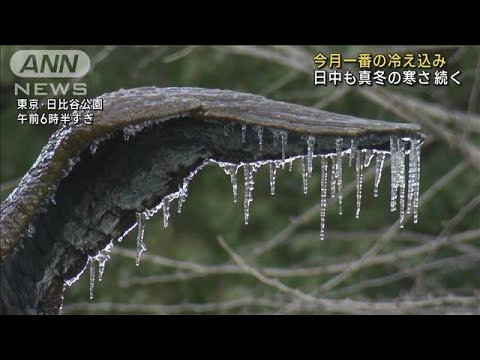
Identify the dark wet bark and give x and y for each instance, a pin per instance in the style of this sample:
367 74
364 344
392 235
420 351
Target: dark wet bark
65 210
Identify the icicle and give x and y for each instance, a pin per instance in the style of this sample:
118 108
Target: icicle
338 171
368 157
353 150
273 171
393 172
401 177
248 171
259 130
415 146
102 257
166 212
284 137
231 170
310 145
126 134
378 171
181 199
304 175
244 132
92 276
359 181
290 165
141 247
333 180
323 198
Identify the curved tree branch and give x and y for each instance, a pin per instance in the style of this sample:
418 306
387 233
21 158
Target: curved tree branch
88 183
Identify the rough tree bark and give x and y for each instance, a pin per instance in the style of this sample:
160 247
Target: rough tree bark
74 201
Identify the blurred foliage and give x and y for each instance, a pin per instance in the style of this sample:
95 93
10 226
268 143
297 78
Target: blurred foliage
210 211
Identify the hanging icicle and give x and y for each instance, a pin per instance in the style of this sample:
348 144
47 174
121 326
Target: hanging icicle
304 175
380 159
92 275
141 247
353 151
244 133
273 172
359 181
338 171
248 171
310 145
323 197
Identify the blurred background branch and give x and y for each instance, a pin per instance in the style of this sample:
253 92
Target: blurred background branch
277 263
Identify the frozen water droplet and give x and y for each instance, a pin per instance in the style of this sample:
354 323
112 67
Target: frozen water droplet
353 151
323 197
304 175
92 276
244 132
378 171
248 170
310 145
338 171
368 157
273 171
166 212
259 130
359 181
141 247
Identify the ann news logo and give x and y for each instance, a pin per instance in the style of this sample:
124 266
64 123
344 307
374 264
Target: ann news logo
50 63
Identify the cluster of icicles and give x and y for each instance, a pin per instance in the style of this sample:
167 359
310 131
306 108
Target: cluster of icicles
330 168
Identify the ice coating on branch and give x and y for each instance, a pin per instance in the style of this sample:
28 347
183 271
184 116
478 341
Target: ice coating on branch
141 247
323 198
359 181
73 280
273 172
310 145
380 159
